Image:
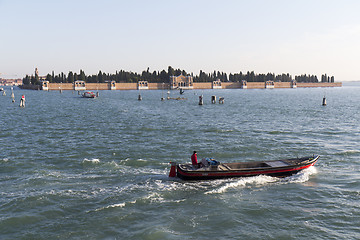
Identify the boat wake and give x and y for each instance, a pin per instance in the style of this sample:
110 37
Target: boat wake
162 191
261 180
117 205
348 153
243 182
300 177
91 161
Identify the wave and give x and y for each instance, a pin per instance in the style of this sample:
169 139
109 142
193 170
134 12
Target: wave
91 161
150 198
279 132
121 205
219 130
141 160
348 152
243 182
300 177
159 198
112 164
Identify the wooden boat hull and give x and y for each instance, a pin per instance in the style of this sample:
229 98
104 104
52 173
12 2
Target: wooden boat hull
276 168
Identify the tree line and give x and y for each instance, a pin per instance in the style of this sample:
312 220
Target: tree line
164 77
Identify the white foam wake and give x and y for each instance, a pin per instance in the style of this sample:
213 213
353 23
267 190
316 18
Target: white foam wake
117 205
94 160
300 177
111 206
243 182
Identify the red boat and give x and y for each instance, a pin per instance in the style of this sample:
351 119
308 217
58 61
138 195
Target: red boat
89 95
275 168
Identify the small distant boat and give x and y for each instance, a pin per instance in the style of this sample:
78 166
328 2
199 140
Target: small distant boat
1 89
89 95
274 168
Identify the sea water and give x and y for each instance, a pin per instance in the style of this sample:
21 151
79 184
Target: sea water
77 168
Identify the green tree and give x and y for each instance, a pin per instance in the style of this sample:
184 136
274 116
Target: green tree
26 80
100 77
70 78
35 80
82 76
171 71
49 78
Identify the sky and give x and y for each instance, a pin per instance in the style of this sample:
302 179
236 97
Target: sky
277 36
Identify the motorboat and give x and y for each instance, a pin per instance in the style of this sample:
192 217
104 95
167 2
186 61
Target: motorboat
89 94
275 168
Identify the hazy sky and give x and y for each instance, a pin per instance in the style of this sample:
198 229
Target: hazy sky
278 36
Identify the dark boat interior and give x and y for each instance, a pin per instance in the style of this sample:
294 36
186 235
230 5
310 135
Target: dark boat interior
249 165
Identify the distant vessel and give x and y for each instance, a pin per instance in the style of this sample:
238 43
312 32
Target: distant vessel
89 95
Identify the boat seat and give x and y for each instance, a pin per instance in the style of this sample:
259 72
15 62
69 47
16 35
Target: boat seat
222 168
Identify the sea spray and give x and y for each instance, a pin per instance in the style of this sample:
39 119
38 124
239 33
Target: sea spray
91 161
300 177
243 182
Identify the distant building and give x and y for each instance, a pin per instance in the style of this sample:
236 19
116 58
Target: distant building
112 85
181 81
10 82
79 85
142 85
269 84
216 84
243 84
37 74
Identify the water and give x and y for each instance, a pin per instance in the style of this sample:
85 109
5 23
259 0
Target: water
74 168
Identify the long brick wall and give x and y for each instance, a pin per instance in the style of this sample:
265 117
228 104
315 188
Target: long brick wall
126 86
97 86
197 85
155 86
255 85
230 85
202 85
62 86
282 84
335 84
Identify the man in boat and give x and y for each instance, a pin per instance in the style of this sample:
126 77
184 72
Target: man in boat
194 160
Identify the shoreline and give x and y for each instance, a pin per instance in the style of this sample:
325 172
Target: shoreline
166 86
